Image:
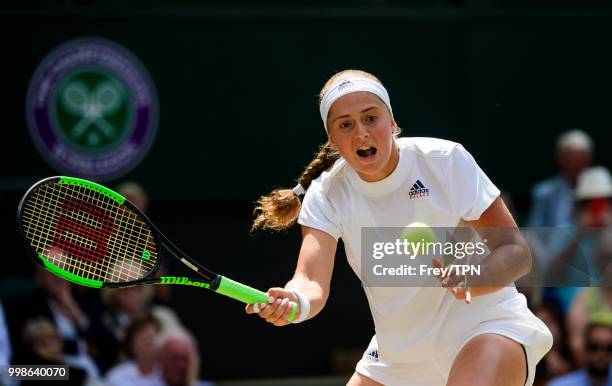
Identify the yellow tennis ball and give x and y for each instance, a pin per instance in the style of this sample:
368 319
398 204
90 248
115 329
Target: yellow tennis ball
418 232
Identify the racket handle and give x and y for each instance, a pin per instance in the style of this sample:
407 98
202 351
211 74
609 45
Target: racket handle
241 292
246 294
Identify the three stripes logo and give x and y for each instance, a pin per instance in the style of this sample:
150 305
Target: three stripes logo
345 84
418 190
372 356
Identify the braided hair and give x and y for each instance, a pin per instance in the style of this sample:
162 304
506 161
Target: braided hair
280 209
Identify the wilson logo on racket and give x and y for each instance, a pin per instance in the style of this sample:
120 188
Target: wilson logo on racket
81 238
182 281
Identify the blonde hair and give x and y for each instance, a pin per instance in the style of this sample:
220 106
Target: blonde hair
280 209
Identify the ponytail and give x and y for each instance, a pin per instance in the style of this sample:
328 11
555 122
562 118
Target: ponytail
280 209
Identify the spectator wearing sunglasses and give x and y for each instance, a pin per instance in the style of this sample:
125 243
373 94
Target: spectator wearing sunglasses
574 250
592 303
596 370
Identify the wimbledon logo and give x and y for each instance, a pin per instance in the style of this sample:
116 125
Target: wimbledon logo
92 109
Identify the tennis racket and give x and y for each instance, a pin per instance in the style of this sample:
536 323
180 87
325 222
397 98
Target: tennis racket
90 235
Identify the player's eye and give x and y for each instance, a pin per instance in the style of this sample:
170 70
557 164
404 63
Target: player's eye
371 118
345 125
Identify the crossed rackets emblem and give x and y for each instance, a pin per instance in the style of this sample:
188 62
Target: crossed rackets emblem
92 106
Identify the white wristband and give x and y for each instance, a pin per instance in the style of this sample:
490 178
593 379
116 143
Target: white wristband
304 306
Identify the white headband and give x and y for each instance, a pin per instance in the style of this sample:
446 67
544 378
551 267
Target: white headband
348 86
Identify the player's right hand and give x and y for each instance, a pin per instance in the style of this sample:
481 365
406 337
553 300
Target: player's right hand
455 284
279 306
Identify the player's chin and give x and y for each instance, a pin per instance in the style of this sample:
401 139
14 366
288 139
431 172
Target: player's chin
372 171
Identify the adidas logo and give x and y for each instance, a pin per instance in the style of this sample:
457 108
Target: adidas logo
418 190
372 356
345 84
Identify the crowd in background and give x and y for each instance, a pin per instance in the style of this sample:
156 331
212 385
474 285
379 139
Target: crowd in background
114 337
132 337
572 215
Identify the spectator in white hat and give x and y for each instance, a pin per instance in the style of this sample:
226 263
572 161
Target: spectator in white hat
574 249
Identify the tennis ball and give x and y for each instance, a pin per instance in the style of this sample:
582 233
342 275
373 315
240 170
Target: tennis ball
418 232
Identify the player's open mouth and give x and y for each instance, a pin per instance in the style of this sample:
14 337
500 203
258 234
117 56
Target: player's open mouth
366 151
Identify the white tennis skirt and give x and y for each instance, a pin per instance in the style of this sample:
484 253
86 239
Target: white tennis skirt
434 367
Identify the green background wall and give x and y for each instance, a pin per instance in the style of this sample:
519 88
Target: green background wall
238 86
237 89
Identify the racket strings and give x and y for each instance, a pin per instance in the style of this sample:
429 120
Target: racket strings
80 264
88 234
55 251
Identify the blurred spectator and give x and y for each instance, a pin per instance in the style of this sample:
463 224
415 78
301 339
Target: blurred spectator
558 360
593 303
596 370
5 342
552 199
179 358
82 334
131 304
589 304
43 345
575 262
137 195
141 368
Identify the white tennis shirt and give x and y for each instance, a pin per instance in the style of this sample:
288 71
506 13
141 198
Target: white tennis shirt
411 322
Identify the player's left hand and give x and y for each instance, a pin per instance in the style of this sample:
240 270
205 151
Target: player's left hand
455 284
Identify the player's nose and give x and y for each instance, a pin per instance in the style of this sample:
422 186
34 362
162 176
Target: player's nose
361 131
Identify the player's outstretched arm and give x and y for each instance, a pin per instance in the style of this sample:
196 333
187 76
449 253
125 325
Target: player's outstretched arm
312 279
510 257
509 260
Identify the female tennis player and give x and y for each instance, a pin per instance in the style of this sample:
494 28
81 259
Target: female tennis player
451 335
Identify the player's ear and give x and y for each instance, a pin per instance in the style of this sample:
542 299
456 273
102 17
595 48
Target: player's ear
395 130
330 141
393 124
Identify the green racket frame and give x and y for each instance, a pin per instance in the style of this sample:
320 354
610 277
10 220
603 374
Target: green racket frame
207 279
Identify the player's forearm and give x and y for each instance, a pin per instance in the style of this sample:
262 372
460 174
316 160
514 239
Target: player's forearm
506 264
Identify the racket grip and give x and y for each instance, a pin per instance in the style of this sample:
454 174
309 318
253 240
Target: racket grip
246 294
241 292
